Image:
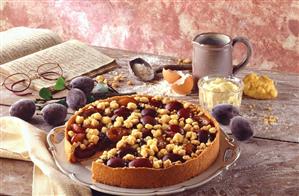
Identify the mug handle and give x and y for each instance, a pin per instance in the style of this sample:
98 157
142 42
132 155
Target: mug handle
245 61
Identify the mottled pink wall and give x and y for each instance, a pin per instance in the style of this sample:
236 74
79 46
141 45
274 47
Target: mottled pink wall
167 27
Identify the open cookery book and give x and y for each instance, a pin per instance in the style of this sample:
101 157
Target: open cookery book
23 49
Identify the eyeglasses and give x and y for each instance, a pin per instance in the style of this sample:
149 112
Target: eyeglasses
20 82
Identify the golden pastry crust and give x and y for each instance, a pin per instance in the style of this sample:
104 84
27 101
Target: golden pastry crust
141 177
151 178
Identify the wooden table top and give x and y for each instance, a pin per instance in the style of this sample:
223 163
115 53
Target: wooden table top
269 162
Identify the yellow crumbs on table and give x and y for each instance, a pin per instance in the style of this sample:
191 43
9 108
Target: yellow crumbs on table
259 87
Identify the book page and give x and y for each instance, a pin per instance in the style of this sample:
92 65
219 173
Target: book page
74 57
21 41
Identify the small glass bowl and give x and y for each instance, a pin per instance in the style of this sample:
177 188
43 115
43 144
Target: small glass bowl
214 90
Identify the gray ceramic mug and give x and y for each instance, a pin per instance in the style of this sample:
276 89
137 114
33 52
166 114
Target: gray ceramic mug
212 54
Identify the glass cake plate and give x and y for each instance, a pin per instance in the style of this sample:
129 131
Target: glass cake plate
81 172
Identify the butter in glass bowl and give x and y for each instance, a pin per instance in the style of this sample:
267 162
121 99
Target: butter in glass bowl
214 90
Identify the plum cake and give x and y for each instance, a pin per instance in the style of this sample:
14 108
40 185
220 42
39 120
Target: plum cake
142 141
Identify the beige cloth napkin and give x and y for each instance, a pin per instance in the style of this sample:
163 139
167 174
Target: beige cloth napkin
20 140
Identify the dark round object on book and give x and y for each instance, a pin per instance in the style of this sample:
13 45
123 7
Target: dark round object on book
23 109
54 114
76 98
83 83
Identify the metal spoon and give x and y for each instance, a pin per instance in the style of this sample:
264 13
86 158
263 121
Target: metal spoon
143 71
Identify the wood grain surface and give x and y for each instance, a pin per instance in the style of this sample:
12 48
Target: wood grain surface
269 163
